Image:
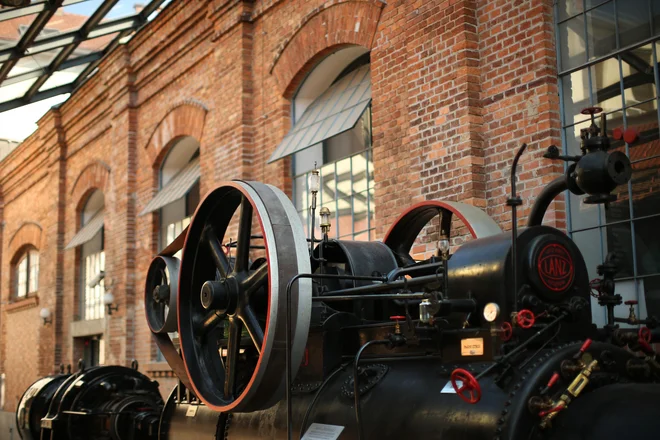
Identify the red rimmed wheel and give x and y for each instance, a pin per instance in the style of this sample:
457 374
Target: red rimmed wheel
506 332
232 308
525 318
407 227
644 334
468 389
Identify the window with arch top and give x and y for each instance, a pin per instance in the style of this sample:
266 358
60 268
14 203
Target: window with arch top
331 112
178 193
26 273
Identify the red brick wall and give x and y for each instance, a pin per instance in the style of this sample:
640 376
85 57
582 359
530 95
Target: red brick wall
457 87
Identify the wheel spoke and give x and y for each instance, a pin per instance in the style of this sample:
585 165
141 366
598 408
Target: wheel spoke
233 351
210 322
244 234
256 280
218 255
253 327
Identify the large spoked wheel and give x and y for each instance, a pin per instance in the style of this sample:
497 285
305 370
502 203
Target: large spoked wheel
244 243
403 233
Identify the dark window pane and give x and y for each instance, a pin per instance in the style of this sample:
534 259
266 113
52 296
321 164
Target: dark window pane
589 243
571 39
647 245
606 85
569 8
591 3
601 30
619 241
633 21
646 187
650 288
643 118
585 215
655 6
573 137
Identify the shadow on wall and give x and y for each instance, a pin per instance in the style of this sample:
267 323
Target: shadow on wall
8 426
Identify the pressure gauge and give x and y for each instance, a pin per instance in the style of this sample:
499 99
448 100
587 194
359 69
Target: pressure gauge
491 312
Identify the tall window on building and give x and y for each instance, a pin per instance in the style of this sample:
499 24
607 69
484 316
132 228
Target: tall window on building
178 194
92 257
608 54
26 273
332 129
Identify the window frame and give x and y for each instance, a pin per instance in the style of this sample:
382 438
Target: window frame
621 89
369 232
26 254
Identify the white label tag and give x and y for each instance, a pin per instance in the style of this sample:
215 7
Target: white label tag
319 431
192 411
472 347
449 389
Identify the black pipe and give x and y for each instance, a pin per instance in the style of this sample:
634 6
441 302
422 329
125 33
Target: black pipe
382 296
543 200
412 270
384 287
514 201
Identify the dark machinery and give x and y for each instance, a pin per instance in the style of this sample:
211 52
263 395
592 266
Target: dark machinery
113 403
284 336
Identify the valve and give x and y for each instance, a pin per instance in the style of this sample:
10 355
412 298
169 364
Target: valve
582 350
551 383
469 389
506 332
525 318
645 334
632 318
397 326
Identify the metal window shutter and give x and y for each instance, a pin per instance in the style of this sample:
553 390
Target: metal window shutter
176 188
87 232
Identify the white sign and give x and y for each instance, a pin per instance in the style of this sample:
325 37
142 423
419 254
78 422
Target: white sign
192 411
449 389
319 431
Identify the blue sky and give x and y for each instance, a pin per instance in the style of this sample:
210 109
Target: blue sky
121 9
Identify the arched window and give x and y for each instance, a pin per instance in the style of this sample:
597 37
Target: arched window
179 189
332 129
26 273
92 253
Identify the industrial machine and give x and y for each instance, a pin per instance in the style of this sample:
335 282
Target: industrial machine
288 337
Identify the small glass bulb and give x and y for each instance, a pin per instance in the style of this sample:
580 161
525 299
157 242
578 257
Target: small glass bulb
314 181
443 245
44 313
324 216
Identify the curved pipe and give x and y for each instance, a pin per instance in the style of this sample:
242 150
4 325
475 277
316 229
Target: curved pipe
544 199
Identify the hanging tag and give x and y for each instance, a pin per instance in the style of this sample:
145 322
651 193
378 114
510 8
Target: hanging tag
192 411
319 431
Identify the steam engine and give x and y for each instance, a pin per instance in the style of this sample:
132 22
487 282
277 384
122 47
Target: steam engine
284 336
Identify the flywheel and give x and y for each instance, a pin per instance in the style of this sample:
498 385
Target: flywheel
402 234
244 243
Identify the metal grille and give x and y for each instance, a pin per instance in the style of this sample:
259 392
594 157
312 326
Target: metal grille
608 57
50 47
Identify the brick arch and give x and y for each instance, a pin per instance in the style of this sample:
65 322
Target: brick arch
29 233
94 176
320 32
184 119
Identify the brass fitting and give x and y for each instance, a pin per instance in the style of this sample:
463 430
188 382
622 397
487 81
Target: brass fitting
573 391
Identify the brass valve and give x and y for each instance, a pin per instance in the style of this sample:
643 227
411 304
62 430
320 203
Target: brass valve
632 318
574 389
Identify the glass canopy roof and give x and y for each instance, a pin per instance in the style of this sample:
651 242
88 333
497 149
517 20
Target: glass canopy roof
50 47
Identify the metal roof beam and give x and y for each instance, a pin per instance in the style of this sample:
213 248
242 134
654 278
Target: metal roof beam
61 40
34 8
61 57
19 102
92 57
29 36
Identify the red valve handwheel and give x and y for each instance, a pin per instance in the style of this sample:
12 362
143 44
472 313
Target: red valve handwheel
631 302
397 318
591 110
470 390
506 332
525 318
645 334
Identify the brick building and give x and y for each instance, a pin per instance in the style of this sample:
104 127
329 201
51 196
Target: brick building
397 102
